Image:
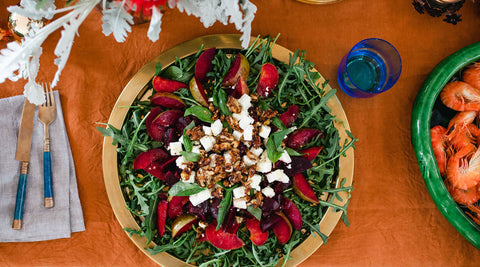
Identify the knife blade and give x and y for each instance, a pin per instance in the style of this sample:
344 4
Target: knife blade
24 144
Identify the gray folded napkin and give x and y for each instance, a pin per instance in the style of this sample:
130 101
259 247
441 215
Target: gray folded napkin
39 223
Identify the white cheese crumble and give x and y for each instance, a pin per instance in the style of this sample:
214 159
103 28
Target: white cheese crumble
200 197
239 192
264 131
255 181
248 133
237 135
240 203
245 101
256 151
285 157
264 165
181 162
216 127
207 130
191 178
248 162
207 142
268 192
245 121
277 175
196 149
175 148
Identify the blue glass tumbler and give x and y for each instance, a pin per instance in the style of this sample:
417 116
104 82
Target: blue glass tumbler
371 67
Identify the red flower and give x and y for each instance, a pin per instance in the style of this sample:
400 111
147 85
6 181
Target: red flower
144 7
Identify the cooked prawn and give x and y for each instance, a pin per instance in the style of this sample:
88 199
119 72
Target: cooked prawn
465 197
463 170
459 130
460 96
472 75
438 136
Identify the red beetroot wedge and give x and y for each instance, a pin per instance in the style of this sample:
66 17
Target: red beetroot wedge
155 131
292 212
311 153
146 158
167 100
197 91
166 85
168 118
204 64
268 79
158 168
300 138
241 88
182 223
175 206
289 116
282 229
256 235
240 68
303 189
161 216
221 239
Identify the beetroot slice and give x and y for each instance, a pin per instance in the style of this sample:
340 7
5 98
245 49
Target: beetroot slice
292 212
282 229
156 132
300 138
166 85
268 80
161 216
146 158
167 100
311 153
175 206
289 116
256 235
221 239
303 188
204 64
168 118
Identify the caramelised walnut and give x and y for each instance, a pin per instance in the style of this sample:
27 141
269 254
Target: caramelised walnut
233 123
257 200
195 133
233 105
264 115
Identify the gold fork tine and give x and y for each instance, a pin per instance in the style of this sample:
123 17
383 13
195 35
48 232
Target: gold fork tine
52 97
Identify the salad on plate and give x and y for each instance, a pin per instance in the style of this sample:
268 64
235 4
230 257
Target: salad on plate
232 159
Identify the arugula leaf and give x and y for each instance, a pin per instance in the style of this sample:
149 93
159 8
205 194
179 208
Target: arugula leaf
222 102
150 220
277 122
202 113
293 153
256 212
171 245
158 69
224 206
184 189
191 156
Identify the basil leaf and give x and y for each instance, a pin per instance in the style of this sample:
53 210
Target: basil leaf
222 102
158 69
274 142
277 122
173 73
191 156
256 212
224 207
183 189
202 113
292 152
187 142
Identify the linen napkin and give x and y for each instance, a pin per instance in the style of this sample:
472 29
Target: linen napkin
39 223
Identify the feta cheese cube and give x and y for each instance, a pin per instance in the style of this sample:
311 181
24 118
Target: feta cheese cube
246 101
264 131
277 175
207 142
268 192
196 149
181 162
239 192
216 127
240 203
207 130
264 165
191 178
248 133
256 151
237 135
285 157
237 116
175 148
248 162
255 181
228 157
200 197
245 121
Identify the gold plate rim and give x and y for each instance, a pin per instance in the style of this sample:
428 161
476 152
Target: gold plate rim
319 2
136 87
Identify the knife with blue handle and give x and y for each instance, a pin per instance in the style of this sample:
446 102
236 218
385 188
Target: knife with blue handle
24 144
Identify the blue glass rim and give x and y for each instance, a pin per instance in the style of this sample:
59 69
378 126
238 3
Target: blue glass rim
387 81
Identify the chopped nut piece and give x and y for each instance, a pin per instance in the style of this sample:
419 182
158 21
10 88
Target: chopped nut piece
233 105
195 133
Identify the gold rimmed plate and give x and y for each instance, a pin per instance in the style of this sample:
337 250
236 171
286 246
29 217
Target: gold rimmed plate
137 88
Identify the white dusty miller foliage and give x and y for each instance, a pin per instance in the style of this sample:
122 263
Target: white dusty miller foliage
21 60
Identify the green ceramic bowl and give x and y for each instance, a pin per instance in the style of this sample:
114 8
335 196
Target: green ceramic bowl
421 116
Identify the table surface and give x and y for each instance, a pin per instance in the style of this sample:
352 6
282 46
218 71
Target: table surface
393 219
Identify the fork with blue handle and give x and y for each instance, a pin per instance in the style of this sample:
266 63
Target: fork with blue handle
46 114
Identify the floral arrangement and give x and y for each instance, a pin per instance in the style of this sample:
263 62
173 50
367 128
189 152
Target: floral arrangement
21 60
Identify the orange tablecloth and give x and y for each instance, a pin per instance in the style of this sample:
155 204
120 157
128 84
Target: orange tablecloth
394 221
